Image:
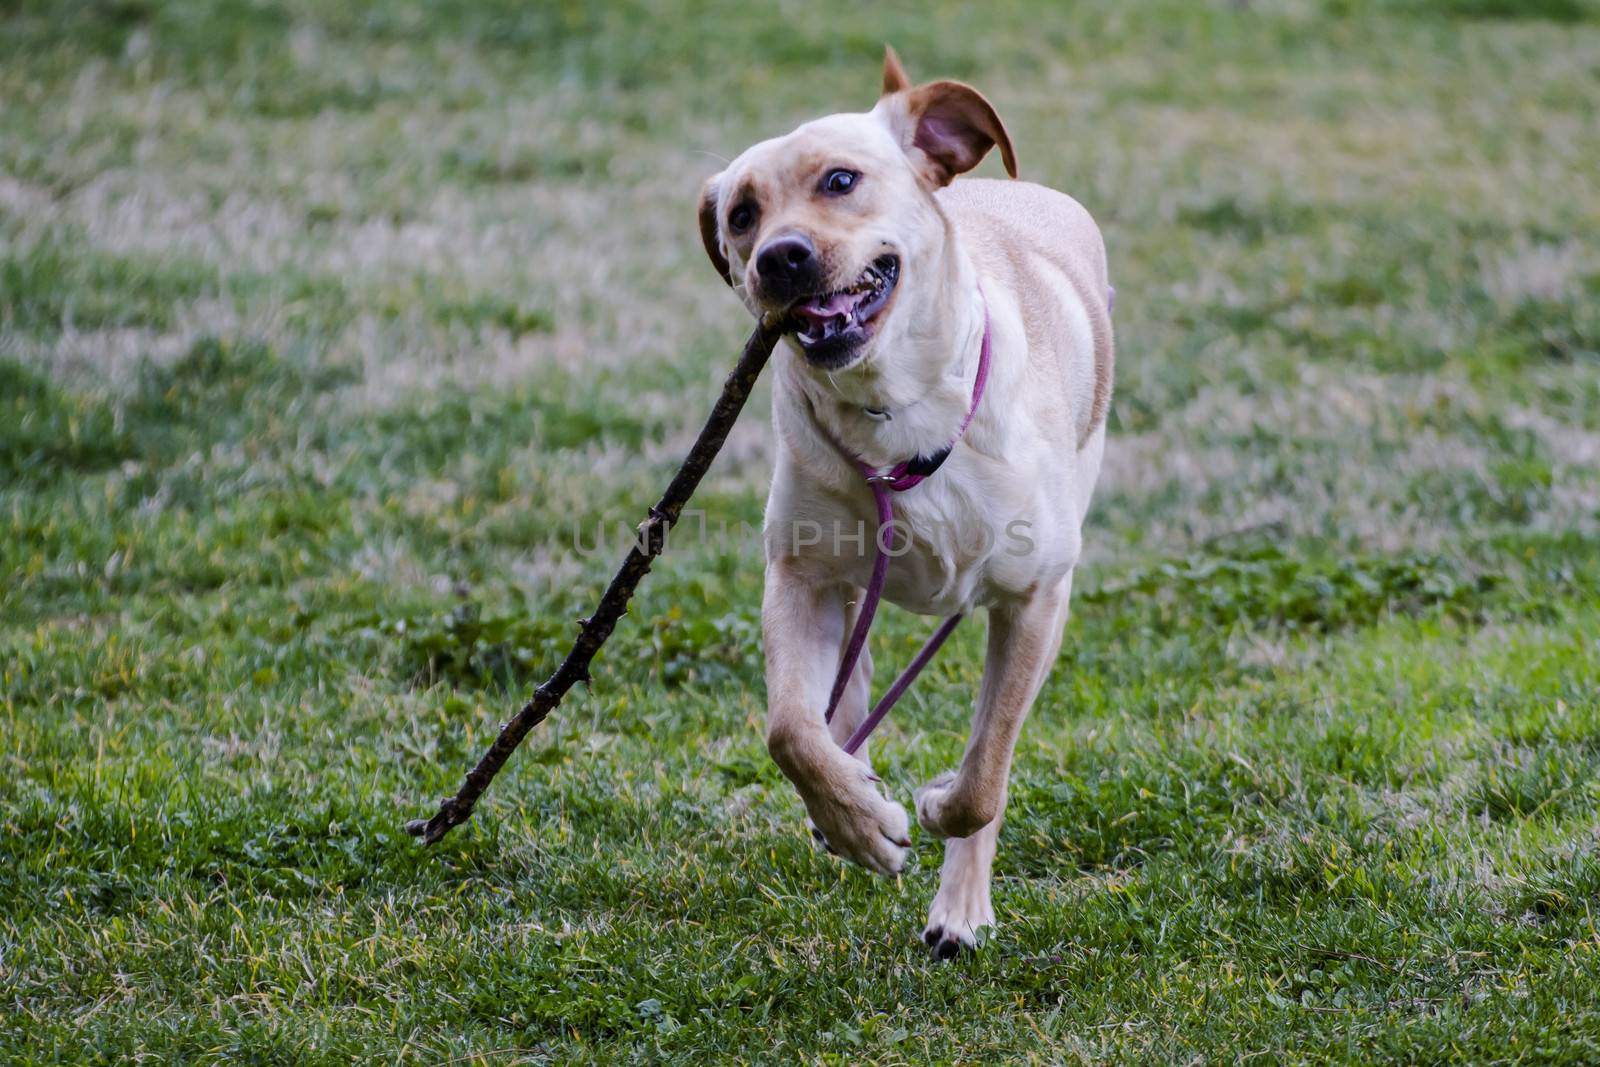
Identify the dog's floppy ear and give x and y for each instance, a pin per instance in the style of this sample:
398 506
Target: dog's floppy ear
710 235
894 75
946 128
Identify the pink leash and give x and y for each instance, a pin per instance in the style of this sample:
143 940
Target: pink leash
897 479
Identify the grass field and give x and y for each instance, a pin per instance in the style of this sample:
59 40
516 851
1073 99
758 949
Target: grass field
323 327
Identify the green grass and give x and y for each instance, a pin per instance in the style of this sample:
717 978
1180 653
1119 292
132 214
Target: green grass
324 326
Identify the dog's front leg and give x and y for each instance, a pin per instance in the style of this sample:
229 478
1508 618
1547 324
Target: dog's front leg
803 624
852 707
966 806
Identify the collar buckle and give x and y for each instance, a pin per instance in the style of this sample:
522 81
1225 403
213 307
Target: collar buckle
885 476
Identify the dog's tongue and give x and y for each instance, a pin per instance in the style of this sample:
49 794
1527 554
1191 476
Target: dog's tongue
818 310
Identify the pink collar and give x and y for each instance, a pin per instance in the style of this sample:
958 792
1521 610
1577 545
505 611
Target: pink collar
912 472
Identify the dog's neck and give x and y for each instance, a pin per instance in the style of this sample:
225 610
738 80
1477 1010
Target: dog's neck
909 397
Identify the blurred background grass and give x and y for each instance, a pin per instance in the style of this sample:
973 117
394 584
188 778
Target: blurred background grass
325 328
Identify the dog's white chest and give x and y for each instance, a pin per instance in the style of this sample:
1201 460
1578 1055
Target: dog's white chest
968 536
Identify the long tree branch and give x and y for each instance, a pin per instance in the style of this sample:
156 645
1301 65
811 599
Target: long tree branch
651 539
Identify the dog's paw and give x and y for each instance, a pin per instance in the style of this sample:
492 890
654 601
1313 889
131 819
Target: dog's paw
930 801
957 917
859 823
949 935
946 810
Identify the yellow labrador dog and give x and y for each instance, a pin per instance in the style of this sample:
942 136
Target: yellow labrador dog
906 293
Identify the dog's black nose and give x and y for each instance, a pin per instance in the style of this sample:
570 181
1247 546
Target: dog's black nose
788 267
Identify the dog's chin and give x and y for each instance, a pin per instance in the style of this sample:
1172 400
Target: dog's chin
842 350
833 329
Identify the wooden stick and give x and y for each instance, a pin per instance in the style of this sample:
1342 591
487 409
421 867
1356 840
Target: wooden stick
651 539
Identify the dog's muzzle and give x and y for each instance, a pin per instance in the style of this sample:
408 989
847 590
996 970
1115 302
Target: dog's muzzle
789 268
832 326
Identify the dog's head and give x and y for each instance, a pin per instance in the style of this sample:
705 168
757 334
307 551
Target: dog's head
827 226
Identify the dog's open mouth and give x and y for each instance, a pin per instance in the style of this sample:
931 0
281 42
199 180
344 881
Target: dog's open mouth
830 326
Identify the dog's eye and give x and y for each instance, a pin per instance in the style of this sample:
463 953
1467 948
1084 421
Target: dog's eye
740 218
839 182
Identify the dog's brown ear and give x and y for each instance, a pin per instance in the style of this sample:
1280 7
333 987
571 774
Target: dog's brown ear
709 234
894 75
949 127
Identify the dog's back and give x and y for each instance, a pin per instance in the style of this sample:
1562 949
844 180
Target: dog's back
1015 231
